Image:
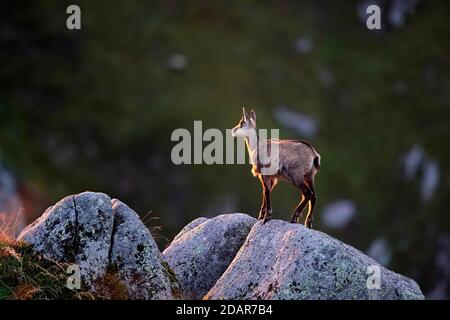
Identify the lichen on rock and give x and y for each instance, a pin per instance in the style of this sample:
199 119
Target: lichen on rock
101 235
202 251
139 262
287 261
77 230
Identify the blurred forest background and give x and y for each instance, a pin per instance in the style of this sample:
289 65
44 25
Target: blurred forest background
94 110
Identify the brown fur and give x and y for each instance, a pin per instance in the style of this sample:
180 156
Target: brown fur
298 163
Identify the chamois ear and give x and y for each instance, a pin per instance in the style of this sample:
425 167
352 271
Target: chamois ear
253 115
244 113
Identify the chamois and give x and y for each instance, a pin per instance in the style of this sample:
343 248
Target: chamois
298 163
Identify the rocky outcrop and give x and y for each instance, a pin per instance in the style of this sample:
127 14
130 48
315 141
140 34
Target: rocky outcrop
204 249
280 260
86 230
137 258
230 256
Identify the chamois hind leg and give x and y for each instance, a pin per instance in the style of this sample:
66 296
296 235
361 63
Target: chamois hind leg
298 210
263 210
306 196
312 202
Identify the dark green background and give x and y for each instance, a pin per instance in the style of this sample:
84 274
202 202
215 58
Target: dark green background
94 110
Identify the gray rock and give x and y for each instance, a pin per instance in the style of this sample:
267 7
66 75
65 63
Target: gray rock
303 45
338 214
137 258
399 11
93 212
380 251
77 229
412 160
280 260
100 235
204 249
430 180
177 62
416 159
303 124
191 225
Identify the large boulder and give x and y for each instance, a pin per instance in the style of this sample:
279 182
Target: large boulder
136 256
280 260
78 230
102 236
204 249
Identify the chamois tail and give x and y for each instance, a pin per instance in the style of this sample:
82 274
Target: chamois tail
316 162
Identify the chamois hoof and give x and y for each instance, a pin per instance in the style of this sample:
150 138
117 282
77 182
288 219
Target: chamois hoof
294 221
266 219
308 225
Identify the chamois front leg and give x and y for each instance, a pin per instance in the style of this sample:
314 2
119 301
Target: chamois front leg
263 209
268 184
268 214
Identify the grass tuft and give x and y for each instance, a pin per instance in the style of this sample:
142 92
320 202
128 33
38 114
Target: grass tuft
25 275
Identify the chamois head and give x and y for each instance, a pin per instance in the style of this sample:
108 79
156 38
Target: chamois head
246 126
